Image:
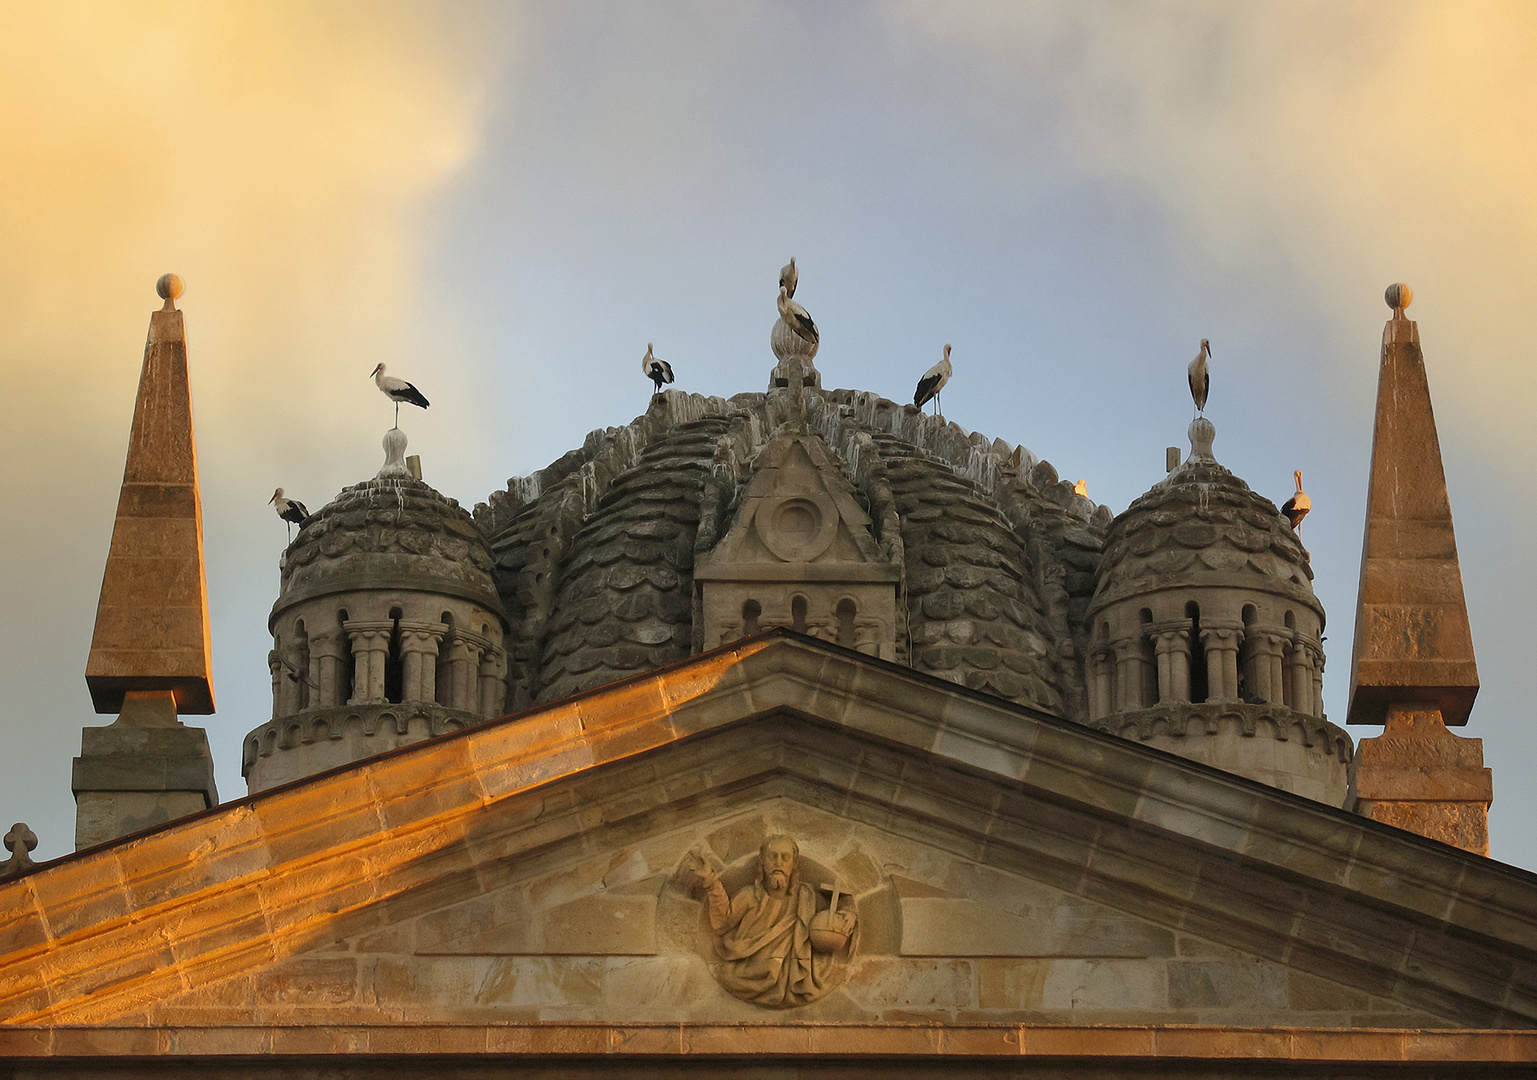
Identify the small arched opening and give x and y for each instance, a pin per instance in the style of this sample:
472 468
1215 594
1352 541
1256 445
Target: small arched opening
1149 665
846 612
752 612
1199 690
345 669
300 672
444 674
394 661
798 614
1249 657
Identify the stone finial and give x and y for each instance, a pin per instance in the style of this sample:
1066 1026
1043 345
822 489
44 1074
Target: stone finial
1398 296
170 289
20 842
394 455
1413 643
152 617
1202 434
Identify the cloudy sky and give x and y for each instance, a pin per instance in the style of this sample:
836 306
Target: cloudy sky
506 202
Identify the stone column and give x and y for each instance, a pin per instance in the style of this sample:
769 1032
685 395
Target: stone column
276 667
1100 705
419 643
464 652
1300 678
328 652
1171 644
493 682
1316 667
1265 648
370 649
1221 644
1128 656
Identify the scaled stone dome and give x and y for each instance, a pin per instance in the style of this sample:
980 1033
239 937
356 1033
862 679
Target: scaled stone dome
1202 525
994 556
393 532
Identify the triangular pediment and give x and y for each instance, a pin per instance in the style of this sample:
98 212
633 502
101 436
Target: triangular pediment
1000 865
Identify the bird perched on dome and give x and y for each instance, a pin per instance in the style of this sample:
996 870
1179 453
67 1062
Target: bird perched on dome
1296 508
290 510
933 382
1200 376
788 277
797 318
398 390
658 371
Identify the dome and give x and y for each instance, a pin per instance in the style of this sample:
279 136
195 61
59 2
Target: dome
989 556
1202 526
392 532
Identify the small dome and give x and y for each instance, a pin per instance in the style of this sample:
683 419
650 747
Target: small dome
1202 526
389 533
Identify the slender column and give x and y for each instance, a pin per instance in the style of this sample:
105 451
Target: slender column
1099 686
1265 647
326 655
419 643
1301 680
1221 661
1316 664
370 649
493 681
1128 654
464 652
276 667
1173 650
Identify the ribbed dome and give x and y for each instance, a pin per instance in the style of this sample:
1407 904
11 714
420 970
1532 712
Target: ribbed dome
395 532
595 555
1202 526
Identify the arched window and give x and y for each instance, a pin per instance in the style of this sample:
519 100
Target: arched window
394 662
300 672
1199 691
846 611
752 611
347 667
798 614
1249 657
445 680
1149 659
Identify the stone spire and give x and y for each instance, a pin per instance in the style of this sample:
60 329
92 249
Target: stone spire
152 618
1412 642
1412 669
149 655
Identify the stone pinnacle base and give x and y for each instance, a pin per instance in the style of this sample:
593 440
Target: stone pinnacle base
1420 777
143 769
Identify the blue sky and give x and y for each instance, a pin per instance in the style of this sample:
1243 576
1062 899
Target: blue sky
505 203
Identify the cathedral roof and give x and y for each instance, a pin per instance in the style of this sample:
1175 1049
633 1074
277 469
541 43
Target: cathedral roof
595 554
1202 525
389 532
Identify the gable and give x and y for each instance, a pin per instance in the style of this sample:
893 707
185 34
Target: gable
1002 863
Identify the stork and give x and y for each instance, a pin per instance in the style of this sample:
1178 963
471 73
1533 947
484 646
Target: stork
797 318
788 277
398 390
1200 376
932 383
658 371
1296 508
290 510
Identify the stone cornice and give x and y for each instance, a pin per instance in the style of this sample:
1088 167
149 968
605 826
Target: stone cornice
93 936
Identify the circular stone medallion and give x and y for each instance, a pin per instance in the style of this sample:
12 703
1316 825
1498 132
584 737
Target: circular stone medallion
797 528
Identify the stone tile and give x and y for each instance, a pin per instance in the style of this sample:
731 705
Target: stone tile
308 980
945 926
658 987
1096 985
1011 984
1226 984
604 925
498 922
538 981
1309 993
884 983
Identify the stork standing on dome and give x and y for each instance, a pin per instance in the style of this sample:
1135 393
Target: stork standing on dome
932 383
797 318
290 510
788 277
658 371
1296 508
398 390
1200 376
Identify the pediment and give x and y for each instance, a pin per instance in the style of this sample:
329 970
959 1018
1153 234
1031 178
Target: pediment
1002 866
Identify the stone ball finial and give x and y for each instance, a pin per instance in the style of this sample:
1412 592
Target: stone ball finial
1202 434
394 454
169 287
1399 296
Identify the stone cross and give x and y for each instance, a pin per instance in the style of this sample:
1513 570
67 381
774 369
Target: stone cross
836 892
19 842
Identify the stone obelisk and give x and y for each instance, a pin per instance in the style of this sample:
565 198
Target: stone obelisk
149 658
1412 667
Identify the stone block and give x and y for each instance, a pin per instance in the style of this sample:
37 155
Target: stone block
603 925
884 983
1227 985
1100 985
946 926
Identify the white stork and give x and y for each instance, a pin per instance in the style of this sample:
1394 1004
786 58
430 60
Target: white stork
1200 376
1296 508
658 371
797 318
290 510
933 382
788 277
398 390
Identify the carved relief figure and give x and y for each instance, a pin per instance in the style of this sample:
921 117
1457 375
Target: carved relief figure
775 947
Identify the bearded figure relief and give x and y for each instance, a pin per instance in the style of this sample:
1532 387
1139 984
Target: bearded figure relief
778 941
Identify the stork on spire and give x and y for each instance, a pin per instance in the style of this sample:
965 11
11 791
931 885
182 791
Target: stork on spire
1200 376
397 390
290 510
1296 508
932 383
797 318
658 371
788 277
